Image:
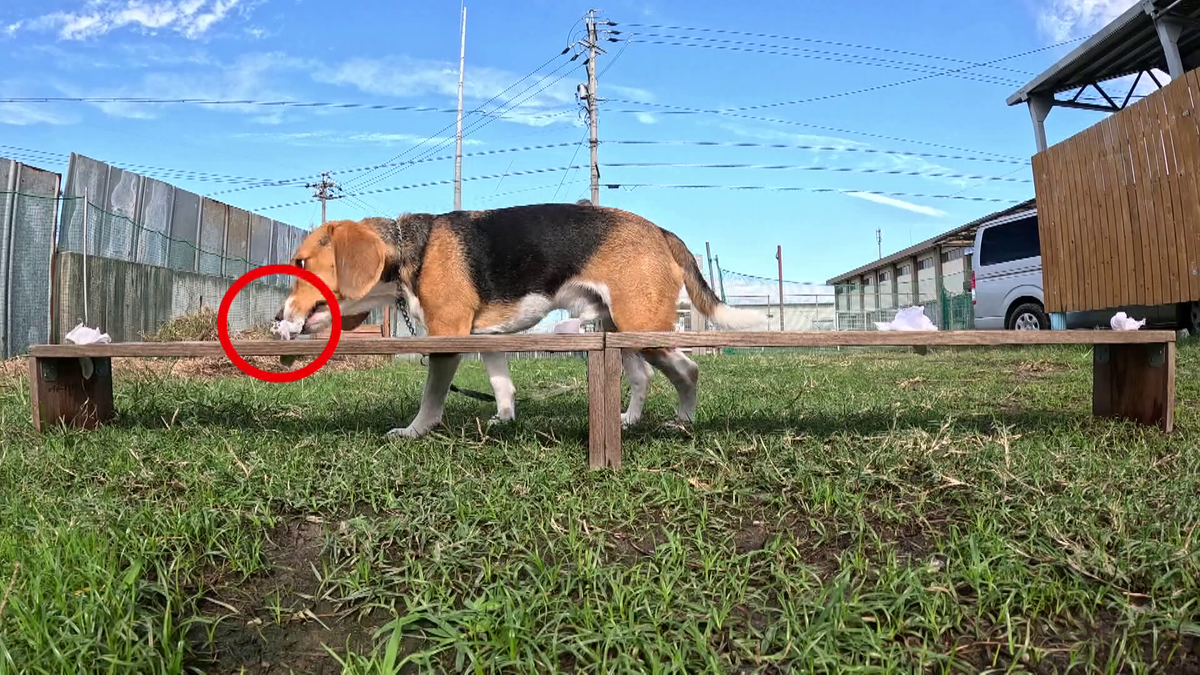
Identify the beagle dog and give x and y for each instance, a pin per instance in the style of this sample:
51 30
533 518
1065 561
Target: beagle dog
502 271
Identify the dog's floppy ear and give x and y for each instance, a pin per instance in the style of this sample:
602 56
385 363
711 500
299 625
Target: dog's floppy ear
359 255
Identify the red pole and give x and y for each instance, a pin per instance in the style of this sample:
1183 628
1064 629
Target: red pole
779 257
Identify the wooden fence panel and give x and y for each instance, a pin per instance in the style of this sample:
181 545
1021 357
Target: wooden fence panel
1119 206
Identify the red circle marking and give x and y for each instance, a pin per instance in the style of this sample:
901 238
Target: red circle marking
266 375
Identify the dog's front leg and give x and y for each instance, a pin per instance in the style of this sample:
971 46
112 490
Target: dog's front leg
437 384
502 386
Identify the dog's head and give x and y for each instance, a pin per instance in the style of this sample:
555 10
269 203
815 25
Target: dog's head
349 256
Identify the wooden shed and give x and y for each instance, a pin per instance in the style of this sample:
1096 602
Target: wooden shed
1119 202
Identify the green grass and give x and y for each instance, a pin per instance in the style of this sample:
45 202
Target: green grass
837 511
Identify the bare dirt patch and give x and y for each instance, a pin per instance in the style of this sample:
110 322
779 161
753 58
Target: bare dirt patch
278 622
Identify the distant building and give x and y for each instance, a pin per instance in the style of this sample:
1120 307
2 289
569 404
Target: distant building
928 273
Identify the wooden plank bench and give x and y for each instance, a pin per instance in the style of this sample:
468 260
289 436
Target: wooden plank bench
1133 372
60 394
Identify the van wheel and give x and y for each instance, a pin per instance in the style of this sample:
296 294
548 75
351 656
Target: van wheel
1029 316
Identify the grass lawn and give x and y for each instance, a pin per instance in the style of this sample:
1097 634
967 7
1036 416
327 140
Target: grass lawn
868 511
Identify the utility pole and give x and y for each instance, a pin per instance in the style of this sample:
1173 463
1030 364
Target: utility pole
779 257
593 112
324 191
462 60
879 241
712 280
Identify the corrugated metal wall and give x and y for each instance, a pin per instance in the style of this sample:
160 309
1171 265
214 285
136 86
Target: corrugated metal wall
28 215
156 251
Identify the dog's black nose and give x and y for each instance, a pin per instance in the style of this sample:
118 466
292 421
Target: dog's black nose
279 315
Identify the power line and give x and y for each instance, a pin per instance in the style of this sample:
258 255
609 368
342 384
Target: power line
804 167
823 148
669 109
145 100
480 107
817 55
789 188
832 43
535 188
578 147
396 188
888 85
475 126
187 174
498 151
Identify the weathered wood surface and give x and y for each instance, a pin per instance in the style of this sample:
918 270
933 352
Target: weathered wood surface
549 342
886 339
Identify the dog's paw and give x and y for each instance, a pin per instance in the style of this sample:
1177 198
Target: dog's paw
628 420
500 420
407 433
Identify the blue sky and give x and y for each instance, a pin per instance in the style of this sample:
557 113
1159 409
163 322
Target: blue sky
406 53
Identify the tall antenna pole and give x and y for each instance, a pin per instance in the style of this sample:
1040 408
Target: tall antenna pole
593 112
879 241
462 60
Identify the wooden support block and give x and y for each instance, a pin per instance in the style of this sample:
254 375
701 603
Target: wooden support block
61 394
1135 382
604 408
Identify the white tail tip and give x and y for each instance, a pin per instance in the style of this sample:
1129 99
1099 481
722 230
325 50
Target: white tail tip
732 318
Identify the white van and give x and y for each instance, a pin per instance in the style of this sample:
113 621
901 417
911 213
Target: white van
1006 284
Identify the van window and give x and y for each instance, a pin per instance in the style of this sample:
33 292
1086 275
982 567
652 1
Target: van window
1017 240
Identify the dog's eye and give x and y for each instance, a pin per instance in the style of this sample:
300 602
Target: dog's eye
298 262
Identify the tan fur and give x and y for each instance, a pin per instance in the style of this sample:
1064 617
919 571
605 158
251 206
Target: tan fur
642 278
494 314
448 298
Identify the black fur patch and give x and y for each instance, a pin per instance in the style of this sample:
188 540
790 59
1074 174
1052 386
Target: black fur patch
520 250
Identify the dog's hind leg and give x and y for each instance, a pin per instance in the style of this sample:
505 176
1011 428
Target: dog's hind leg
433 401
502 386
683 373
639 373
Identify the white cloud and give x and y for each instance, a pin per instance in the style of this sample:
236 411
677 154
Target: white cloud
634 93
1066 19
540 101
251 77
190 18
646 118
25 114
898 203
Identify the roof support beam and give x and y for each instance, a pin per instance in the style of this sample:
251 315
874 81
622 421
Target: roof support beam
1039 108
1169 29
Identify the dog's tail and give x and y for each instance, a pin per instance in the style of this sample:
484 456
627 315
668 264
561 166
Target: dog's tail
702 295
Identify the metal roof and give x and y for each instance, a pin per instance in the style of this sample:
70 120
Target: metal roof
1127 45
959 236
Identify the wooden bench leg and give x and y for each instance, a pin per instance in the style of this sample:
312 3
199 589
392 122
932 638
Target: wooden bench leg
1135 382
62 395
604 408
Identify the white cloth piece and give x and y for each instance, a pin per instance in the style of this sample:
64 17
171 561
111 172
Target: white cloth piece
910 319
286 329
82 335
1122 321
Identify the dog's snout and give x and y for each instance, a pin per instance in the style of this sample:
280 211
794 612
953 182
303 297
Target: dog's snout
279 315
